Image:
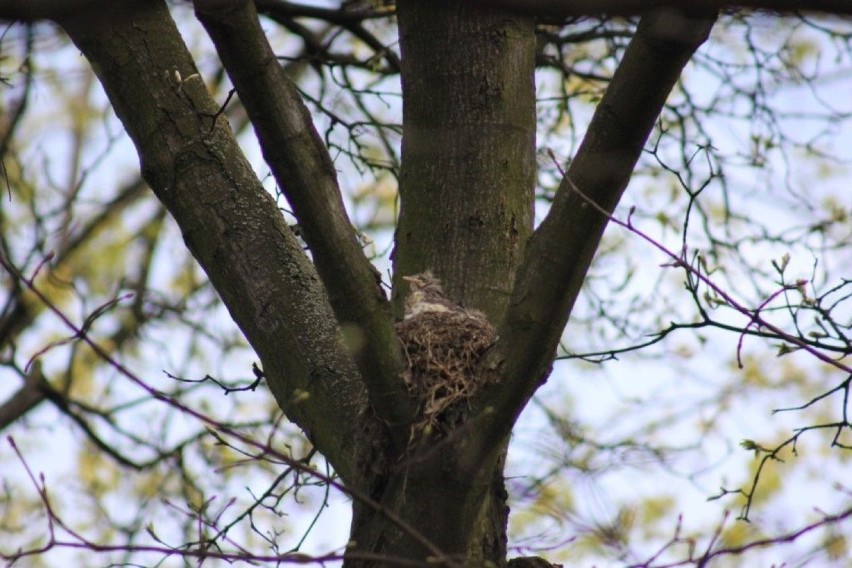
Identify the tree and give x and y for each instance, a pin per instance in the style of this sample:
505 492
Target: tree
308 299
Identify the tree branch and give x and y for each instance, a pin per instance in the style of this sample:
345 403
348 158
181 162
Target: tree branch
561 251
27 397
341 15
304 171
229 222
32 10
567 8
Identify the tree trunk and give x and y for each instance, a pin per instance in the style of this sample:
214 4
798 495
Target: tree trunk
466 188
463 513
468 148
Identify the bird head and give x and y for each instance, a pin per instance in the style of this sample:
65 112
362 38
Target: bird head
425 282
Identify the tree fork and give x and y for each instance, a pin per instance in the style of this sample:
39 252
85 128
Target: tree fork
469 145
560 253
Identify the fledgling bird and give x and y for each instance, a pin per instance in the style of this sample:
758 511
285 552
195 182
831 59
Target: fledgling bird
427 296
442 342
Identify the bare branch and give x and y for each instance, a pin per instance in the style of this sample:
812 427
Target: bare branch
561 251
218 429
306 175
564 8
30 395
32 10
230 223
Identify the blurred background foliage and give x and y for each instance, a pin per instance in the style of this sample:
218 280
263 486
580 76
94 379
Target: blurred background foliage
635 445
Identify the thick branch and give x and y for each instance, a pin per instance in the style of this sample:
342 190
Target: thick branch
561 251
30 395
32 10
306 175
229 222
566 8
340 14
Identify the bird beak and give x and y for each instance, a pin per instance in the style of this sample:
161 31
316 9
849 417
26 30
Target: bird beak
412 279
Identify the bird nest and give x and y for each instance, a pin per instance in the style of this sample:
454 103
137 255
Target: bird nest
442 349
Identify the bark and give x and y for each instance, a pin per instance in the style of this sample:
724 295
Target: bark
466 212
231 225
32 10
569 8
466 190
27 397
462 512
468 149
305 173
562 249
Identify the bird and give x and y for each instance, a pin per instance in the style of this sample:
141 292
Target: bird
442 342
427 295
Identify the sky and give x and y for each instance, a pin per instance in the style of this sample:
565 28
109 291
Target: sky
663 396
